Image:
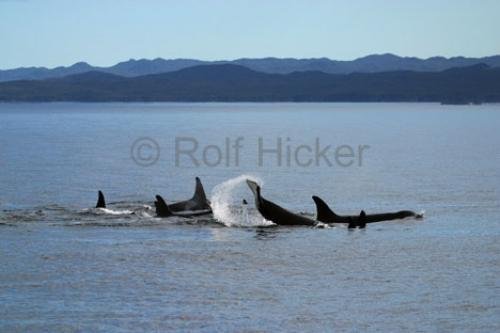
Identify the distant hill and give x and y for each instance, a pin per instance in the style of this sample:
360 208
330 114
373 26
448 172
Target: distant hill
228 82
369 64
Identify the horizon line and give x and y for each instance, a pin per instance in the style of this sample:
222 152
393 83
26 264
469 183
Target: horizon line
249 58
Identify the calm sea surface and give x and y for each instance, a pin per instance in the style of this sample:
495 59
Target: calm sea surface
66 267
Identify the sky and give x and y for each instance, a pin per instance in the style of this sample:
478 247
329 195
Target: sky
103 32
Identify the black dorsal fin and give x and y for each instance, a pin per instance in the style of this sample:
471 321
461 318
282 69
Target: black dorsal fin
323 212
199 195
362 220
245 202
162 209
101 202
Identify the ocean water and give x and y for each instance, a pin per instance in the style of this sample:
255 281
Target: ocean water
66 267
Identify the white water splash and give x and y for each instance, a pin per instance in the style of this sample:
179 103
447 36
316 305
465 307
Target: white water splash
321 225
227 207
105 211
108 211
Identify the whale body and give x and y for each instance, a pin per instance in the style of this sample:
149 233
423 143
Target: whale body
325 214
196 206
275 213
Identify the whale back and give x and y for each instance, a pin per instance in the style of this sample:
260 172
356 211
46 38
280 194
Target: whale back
326 215
199 200
101 202
275 213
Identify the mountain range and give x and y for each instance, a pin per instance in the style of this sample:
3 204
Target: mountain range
231 82
368 64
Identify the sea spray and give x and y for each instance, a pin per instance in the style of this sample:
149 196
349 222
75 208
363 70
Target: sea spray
226 203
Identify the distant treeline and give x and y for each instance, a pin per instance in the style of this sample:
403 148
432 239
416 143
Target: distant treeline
235 83
374 63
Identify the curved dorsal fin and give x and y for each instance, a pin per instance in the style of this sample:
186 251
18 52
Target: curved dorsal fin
101 202
199 194
323 212
162 209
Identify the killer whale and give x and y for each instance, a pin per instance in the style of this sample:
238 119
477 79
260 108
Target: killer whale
326 215
274 213
198 202
197 205
165 210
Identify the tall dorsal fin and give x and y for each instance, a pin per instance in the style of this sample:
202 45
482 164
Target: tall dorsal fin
323 212
162 209
101 202
199 194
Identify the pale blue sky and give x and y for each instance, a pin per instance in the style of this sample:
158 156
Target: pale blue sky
51 32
